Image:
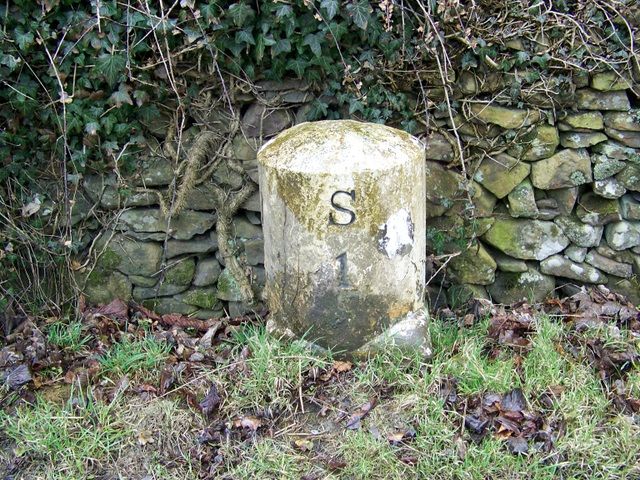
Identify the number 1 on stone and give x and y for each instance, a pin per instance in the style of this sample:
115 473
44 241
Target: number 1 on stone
342 260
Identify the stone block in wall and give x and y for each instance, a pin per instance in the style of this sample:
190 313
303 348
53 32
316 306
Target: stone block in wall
154 172
608 265
505 263
444 186
207 272
129 256
630 207
596 210
144 293
581 139
471 83
474 129
105 191
581 121
529 285
473 265
630 288
438 148
588 99
629 177
567 168
483 200
262 121
580 234
102 288
244 148
565 199
616 150
575 253
198 244
509 118
183 226
630 139
560 266
610 81
539 143
609 188
622 235
605 166
522 201
622 121
501 173
526 239
228 288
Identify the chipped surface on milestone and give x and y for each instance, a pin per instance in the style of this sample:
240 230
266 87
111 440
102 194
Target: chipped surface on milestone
344 228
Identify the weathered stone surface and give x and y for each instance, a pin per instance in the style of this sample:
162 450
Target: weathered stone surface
80 208
577 254
245 148
506 263
540 143
605 167
580 139
205 298
609 81
629 288
254 217
526 239
438 148
155 172
608 265
128 256
565 199
344 276
207 272
614 150
258 121
522 201
629 177
474 265
198 244
505 117
254 251
630 139
103 189
622 121
183 226
445 186
243 228
174 304
622 256
530 285
103 288
500 174
228 288
483 200
180 272
608 188
567 168
458 295
141 281
162 290
630 207
563 267
581 234
623 235
253 203
584 121
588 99
595 210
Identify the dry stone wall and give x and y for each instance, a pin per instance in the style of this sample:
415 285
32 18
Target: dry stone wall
549 197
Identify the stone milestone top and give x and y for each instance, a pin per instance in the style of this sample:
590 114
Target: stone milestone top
317 147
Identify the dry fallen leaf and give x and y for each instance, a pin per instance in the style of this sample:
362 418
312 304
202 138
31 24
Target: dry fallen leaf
251 422
303 445
340 367
145 437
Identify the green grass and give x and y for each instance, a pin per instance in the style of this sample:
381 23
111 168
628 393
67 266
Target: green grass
263 374
69 336
68 439
140 355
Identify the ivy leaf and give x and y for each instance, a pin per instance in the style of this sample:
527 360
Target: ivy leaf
111 67
281 46
331 7
141 97
297 66
92 128
283 11
360 13
9 61
209 11
240 12
24 39
355 105
121 96
245 36
313 41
